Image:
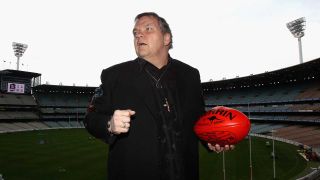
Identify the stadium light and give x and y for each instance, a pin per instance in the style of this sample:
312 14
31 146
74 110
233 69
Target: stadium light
19 49
297 28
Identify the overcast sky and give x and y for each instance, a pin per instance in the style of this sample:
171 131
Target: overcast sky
71 41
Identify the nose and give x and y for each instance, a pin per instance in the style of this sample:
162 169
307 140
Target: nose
138 34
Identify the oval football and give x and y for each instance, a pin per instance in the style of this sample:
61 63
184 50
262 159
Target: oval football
222 125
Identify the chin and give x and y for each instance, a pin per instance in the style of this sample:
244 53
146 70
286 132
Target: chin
142 55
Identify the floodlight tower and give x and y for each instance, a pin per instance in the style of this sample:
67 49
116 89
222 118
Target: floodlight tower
297 28
19 49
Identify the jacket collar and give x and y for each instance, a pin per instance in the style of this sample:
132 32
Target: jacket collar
142 62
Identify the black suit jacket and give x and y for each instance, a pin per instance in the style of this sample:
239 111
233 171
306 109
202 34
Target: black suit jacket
135 155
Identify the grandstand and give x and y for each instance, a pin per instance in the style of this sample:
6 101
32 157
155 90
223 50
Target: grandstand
285 100
62 106
18 109
26 105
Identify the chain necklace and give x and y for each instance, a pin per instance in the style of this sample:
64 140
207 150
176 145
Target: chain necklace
158 85
155 79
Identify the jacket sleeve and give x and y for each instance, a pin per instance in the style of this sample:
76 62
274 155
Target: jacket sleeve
200 94
100 110
202 106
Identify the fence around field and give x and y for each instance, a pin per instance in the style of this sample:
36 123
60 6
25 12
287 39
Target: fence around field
277 139
9 127
314 175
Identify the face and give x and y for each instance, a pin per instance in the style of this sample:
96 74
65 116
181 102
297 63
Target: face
149 42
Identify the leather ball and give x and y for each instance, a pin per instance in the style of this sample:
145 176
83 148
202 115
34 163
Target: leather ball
222 125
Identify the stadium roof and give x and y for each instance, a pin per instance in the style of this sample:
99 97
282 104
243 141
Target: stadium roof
16 73
63 89
301 72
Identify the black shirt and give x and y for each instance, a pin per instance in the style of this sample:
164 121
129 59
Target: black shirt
169 127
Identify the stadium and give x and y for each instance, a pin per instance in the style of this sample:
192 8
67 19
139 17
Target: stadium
42 135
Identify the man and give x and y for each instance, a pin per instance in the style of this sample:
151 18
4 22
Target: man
145 110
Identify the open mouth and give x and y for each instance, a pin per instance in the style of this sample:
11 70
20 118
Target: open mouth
142 44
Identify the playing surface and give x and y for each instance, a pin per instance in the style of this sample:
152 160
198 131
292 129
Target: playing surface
74 154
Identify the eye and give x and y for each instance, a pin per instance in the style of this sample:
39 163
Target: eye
149 28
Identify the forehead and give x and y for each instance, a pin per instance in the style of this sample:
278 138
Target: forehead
146 20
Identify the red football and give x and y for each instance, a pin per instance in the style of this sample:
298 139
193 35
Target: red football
222 125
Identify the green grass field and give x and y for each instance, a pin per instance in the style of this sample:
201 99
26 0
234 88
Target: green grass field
74 154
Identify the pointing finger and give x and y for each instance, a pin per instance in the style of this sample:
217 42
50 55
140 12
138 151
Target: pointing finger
124 112
131 112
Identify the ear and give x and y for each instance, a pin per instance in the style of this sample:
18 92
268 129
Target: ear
166 39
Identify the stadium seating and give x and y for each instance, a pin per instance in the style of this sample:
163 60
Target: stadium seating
286 100
62 106
48 107
305 134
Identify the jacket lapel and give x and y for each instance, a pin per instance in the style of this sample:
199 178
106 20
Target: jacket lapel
145 91
180 96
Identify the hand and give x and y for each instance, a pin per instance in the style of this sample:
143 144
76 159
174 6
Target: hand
217 148
120 121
